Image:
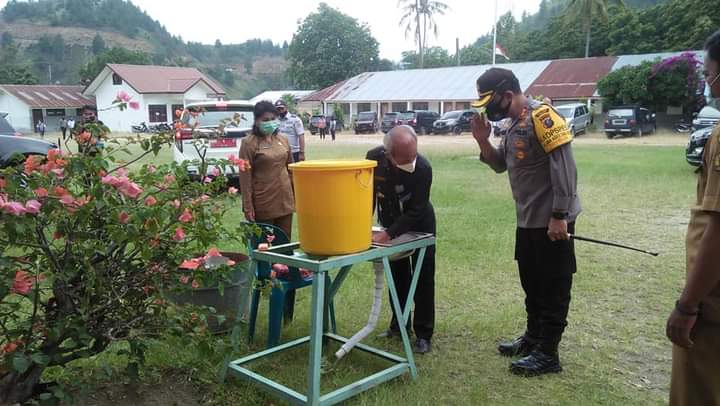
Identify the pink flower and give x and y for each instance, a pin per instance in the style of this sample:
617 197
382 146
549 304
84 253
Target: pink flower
232 190
123 96
150 201
179 234
14 208
216 171
122 172
195 284
213 252
108 180
207 179
190 264
67 200
123 217
23 283
204 198
3 183
151 169
32 206
132 190
59 172
186 217
169 178
176 203
41 192
134 105
184 279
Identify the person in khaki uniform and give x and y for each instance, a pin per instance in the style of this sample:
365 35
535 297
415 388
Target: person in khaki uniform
266 188
694 325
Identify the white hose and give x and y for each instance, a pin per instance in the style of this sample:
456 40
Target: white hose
374 314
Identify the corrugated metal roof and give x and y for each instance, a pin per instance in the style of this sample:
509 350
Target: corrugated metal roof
634 60
49 96
456 83
572 78
323 94
273 95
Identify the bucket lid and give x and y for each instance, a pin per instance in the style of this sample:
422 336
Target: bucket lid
333 165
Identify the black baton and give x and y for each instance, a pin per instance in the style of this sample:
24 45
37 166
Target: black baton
612 244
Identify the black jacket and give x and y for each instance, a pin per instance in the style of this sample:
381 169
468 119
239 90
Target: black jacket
403 199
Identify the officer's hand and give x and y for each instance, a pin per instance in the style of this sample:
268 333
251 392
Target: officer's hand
679 327
381 237
250 215
557 230
301 157
480 127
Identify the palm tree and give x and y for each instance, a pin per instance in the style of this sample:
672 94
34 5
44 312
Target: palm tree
584 10
419 16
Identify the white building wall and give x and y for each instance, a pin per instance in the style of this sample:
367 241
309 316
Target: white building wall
19 113
116 120
198 93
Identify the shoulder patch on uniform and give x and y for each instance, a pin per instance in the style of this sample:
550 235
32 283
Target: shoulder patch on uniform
550 128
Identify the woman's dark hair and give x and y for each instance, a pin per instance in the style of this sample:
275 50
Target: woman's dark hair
261 108
712 46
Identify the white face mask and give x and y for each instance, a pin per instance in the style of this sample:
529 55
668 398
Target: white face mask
409 168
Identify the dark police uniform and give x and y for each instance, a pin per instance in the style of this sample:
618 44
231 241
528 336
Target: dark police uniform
536 153
403 204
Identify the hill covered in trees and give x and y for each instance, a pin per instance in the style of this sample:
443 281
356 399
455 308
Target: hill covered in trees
68 41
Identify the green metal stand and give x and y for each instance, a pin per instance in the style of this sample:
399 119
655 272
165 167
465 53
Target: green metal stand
322 294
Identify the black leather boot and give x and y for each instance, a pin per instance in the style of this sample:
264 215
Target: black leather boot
538 362
521 346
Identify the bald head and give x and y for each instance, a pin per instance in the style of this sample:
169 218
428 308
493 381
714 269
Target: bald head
401 144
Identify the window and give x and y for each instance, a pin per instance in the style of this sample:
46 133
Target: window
157 113
117 80
55 112
420 106
397 107
174 108
462 105
364 107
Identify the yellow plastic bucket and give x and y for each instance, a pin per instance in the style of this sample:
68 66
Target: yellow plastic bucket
334 205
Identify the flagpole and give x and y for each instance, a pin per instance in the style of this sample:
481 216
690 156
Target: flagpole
494 46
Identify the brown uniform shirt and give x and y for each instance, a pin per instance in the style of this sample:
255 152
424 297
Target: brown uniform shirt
708 201
266 186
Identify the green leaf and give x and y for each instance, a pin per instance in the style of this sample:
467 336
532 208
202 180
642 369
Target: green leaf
20 362
40 359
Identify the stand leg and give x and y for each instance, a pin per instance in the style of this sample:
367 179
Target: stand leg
316 337
400 314
413 284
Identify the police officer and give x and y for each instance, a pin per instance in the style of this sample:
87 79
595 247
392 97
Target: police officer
535 151
402 189
694 324
292 127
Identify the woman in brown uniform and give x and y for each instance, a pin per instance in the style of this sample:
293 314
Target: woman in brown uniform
266 189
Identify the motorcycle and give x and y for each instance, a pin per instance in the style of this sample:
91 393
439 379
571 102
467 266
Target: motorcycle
142 128
160 128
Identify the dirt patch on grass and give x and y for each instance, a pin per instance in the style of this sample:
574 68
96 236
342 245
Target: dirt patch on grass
172 390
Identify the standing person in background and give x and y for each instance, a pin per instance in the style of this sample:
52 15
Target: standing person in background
291 126
266 188
333 125
63 127
694 324
71 125
40 127
322 125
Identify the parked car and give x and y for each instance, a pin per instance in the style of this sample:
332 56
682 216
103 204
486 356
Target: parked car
631 120
696 145
5 127
453 121
205 117
366 121
421 120
577 116
314 121
708 116
389 121
14 149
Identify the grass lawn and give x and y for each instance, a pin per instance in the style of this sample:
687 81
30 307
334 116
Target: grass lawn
614 351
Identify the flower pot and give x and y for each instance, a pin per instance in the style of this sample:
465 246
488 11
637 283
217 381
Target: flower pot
234 297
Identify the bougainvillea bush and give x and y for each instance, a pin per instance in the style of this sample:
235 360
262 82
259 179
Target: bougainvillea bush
89 252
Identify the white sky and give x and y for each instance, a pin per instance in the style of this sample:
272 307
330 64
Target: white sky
234 21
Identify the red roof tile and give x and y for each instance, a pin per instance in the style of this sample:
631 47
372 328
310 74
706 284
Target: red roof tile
571 78
49 96
163 79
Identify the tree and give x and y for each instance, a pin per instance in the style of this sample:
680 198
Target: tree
435 57
112 55
6 41
98 44
419 16
17 75
584 10
328 47
475 55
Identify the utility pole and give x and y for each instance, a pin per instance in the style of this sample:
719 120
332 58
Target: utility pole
50 74
494 45
457 51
